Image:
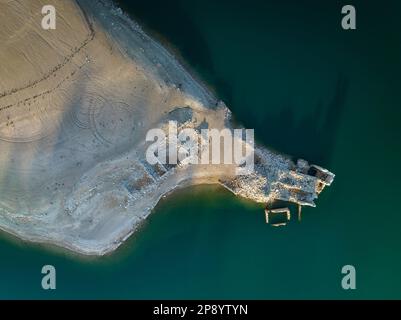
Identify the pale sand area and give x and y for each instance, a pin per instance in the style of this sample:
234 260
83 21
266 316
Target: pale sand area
75 106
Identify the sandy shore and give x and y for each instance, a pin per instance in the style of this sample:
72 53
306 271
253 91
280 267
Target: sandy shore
75 106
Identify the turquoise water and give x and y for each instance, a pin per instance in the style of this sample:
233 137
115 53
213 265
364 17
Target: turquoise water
310 89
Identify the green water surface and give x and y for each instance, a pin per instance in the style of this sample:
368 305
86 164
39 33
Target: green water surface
309 89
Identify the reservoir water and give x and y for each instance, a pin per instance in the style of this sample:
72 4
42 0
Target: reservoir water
309 89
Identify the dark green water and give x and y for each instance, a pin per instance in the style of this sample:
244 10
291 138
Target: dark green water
310 89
